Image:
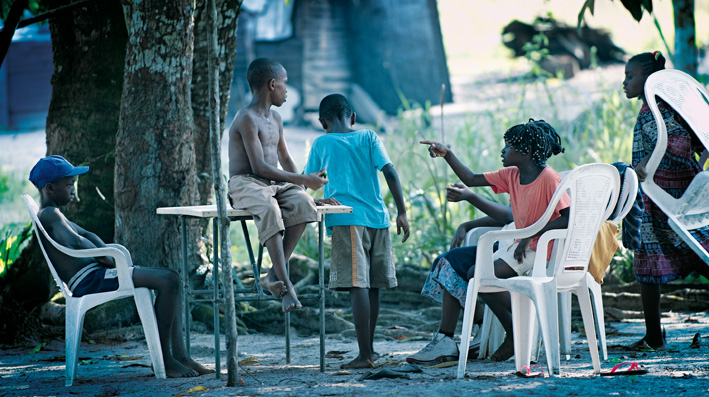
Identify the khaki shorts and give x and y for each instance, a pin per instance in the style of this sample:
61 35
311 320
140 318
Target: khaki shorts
274 205
507 254
361 257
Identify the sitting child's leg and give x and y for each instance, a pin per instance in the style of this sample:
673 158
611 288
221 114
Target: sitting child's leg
499 303
168 302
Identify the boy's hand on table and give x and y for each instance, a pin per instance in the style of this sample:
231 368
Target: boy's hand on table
436 149
327 201
457 192
402 223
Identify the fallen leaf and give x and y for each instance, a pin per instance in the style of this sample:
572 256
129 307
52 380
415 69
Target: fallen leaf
128 358
400 337
695 342
413 338
250 361
88 362
136 365
36 348
339 373
337 356
691 320
396 327
338 351
196 389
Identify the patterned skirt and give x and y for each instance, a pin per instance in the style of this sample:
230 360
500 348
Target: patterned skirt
448 272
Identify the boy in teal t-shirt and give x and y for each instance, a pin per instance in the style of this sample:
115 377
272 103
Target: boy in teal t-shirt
361 258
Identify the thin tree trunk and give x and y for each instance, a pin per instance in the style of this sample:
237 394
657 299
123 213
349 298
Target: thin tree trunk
685 58
88 45
228 14
155 153
220 192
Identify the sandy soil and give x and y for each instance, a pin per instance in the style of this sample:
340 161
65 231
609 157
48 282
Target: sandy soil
122 368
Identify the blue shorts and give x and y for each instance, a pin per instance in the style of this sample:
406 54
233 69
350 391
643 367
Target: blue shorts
97 279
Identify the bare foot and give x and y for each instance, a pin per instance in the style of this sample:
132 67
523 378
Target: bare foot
201 370
174 369
644 346
505 351
290 302
357 363
273 286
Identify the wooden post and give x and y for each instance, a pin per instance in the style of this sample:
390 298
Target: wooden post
219 194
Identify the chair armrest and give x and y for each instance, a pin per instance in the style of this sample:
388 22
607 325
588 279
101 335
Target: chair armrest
540 259
123 261
474 234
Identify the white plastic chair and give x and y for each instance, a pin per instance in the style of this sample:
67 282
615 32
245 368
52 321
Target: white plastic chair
688 98
76 308
628 193
491 332
590 187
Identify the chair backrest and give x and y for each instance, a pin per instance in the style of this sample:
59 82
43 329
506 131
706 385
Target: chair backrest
42 236
691 100
628 193
593 190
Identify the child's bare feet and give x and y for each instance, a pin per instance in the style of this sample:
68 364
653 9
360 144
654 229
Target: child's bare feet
275 287
174 369
505 351
358 363
290 302
201 370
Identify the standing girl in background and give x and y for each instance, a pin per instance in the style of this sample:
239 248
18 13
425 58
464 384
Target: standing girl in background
662 256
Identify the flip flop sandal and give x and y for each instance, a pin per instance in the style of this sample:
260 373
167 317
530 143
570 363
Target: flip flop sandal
634 369
530 372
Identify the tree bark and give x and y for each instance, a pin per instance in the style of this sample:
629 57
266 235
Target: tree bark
155 152
228 13
685 58
88 45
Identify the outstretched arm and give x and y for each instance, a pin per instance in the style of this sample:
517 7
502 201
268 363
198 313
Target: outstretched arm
468 177
394 185
502 213
71 235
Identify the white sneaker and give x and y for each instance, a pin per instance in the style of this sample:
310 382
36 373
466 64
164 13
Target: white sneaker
441 348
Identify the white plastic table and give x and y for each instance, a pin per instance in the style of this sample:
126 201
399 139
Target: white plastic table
245 294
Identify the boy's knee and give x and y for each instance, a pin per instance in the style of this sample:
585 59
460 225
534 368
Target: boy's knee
170 280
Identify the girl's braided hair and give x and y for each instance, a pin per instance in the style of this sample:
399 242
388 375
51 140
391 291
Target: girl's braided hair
650 62
536 137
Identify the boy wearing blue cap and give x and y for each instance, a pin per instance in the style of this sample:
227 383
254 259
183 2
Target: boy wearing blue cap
54 176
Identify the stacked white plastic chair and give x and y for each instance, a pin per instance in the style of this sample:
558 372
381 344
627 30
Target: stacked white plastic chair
76 308
591 188
628 193
689 98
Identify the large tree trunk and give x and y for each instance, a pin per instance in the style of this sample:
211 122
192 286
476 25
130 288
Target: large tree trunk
155 155
228 14
685 58
88 45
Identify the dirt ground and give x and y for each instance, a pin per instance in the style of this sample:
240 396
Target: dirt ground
122 368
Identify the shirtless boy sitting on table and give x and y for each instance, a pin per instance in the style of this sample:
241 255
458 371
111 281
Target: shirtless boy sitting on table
275 197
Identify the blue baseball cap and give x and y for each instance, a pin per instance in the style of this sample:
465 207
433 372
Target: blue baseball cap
53 168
